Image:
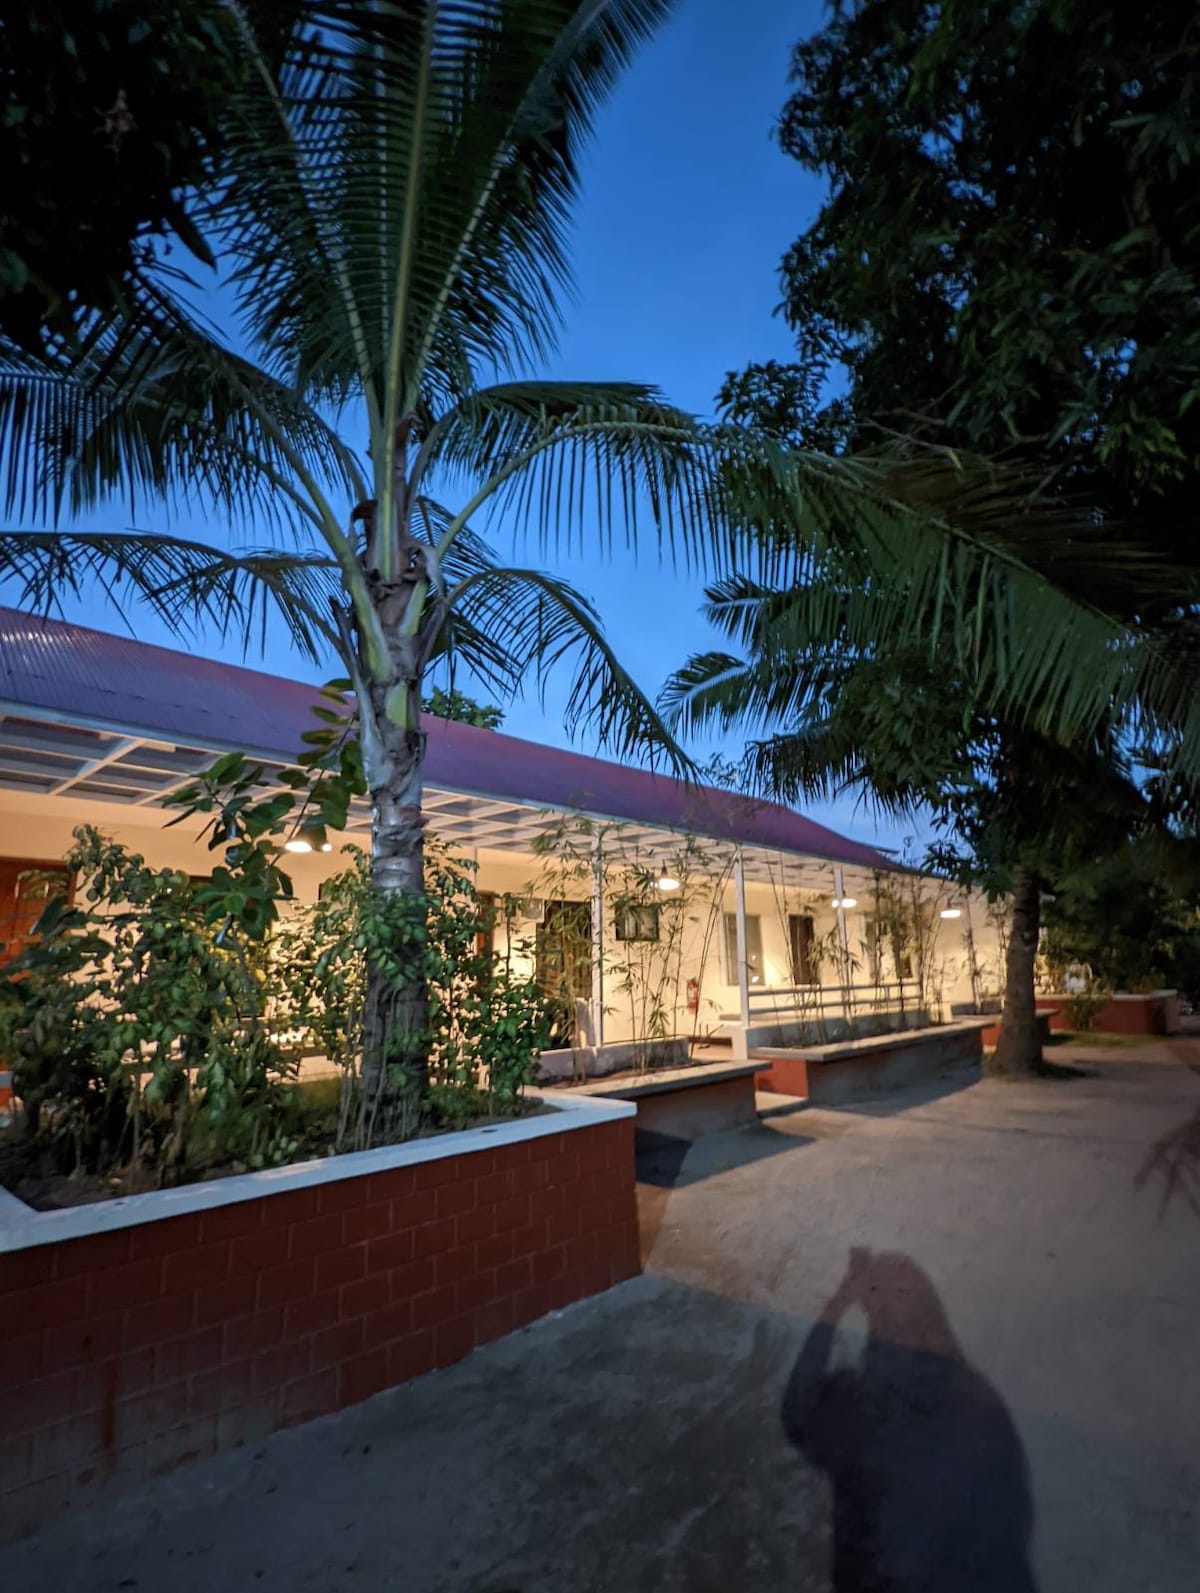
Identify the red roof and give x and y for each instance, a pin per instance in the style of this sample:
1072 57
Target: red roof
90 677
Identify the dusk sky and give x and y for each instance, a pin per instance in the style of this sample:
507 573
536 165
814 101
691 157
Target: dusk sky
688 205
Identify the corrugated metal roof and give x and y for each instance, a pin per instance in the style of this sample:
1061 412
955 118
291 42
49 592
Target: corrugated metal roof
92 678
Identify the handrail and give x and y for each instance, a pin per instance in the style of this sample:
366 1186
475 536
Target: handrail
799 1000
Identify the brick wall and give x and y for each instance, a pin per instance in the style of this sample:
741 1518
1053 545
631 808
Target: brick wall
1151 1014
129 1352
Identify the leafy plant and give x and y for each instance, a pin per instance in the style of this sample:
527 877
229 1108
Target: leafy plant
1083 1007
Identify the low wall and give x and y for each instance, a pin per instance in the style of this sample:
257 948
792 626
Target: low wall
1046 1017
827 1075
685 1103
1155 1012
597 1062
801 1032
146 1332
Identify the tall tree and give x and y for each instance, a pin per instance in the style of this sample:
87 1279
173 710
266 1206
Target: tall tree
1008 257
1007 263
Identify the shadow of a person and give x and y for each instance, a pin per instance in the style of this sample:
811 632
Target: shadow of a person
931 1486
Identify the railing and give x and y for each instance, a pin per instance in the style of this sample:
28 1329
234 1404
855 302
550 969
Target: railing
823 1001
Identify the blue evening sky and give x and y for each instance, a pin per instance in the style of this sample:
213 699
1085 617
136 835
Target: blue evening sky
688 205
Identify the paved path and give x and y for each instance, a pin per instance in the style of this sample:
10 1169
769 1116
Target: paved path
946 1342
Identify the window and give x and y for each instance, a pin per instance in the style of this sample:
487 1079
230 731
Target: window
564 950
800 945
637 922
754 951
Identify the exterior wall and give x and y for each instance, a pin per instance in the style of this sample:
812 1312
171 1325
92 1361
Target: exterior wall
134 1349
41 828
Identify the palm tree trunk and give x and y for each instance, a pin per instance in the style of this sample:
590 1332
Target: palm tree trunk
395 1041
1019 1049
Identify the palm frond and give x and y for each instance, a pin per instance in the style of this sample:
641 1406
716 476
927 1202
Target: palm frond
581 464
156 408
541 625
406 176
186 583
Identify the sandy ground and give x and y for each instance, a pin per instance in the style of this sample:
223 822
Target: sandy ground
945 1341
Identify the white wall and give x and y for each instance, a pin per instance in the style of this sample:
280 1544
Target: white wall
40 828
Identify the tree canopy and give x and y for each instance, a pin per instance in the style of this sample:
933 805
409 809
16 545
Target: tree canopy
112 120
1009 254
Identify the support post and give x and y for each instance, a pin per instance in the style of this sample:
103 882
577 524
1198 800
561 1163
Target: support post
597 944
839 887
741 1044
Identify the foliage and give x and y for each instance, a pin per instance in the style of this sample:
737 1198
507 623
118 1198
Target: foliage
138 1037
1009 253
486 1027
1083 1007
651 936
456 705
1007 263
155 1024
112 114
1132 918
903 920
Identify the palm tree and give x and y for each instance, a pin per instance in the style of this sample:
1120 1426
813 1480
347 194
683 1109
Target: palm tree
391 225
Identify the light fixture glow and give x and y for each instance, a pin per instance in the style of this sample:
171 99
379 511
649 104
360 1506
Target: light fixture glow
297 846
845 901
665 881
327 846
951 912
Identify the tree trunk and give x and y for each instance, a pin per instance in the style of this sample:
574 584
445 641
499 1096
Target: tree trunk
1019 1051
395 1042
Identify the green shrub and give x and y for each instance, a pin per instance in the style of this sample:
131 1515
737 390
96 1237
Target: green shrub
1083 1008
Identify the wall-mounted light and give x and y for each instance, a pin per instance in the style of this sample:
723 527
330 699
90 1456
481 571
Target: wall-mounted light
327 846
845 902
951 912
297 846
665 881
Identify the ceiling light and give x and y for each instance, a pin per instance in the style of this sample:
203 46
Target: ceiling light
297 846
666 882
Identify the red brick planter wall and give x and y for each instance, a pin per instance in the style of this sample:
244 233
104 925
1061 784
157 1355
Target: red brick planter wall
787 1075
1157 1013
129 1352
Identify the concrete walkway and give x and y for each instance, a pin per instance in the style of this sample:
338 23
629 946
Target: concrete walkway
944 1342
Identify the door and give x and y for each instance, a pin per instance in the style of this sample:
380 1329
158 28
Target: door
563 949
800 943
25 888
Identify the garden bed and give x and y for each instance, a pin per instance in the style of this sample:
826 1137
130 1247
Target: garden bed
829 1074
30 1174
149 1331
570 1065
686 1102
1152 1012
